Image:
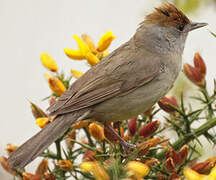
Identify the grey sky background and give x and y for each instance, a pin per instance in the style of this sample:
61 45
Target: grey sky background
29 28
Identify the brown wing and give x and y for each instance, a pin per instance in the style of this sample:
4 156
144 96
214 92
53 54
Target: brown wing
117 74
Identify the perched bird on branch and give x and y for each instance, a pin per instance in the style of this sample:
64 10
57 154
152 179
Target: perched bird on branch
124 84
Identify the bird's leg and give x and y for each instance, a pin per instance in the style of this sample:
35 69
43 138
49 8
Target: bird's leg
126 145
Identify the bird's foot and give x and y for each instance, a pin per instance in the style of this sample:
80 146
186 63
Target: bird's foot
127 147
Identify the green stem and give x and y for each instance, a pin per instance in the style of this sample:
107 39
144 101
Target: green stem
160 170
58 148
210 110
50 155
188 129
208 102
89 137
186 139
104 147
88 147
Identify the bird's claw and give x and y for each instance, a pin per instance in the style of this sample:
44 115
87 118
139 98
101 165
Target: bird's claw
128 147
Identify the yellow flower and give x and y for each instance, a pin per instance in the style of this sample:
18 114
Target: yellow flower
74 54
96 131
105 41
105 53
69 139
29 176
83 47
212 175
55 84
92 59
87 48
80 124
42 122
193 175
49 62
65 165
76 74
6 166
96 169
87 39
137 169
85 51
10 148
87 166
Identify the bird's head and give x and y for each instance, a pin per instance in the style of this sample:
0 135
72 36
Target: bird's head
168 27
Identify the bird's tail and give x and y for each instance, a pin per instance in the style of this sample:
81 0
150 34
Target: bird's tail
39 142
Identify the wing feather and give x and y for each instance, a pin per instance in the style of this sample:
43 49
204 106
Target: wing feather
91 98
116 75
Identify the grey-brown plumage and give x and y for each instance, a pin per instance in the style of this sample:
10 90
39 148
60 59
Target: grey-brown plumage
38 143
125 83
116 75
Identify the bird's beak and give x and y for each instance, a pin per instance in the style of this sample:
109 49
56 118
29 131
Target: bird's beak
195 25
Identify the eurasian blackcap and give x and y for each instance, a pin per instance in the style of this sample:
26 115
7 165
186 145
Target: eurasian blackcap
124 84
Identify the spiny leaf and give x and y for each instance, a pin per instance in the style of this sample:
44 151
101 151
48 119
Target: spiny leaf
213 34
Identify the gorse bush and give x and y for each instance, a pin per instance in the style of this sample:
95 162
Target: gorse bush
100 156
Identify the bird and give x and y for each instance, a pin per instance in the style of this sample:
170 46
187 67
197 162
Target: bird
122 85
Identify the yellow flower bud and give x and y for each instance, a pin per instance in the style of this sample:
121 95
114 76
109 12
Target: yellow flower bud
65 165
55 84
96 131
190 174
6 166
83 47
80 124
49 62
105 41
212 175
29 176
193 175
88 40
137 169
92 59
10 148
87 166
42 122
74 54
96 169
76 74
69 139
105 53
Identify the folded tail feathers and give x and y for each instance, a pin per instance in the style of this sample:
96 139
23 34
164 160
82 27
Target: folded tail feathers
42 140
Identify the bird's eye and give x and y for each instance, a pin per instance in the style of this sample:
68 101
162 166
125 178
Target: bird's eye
181 27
